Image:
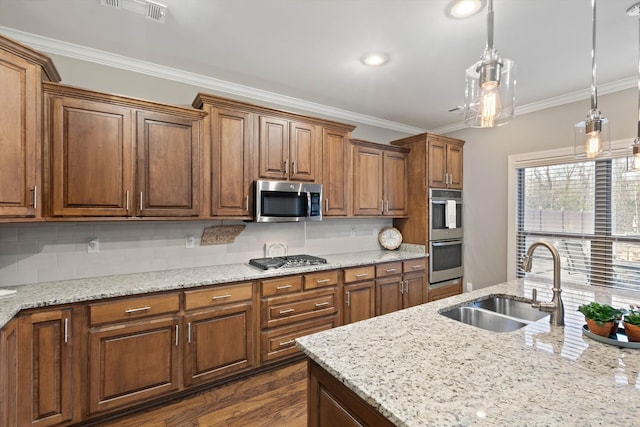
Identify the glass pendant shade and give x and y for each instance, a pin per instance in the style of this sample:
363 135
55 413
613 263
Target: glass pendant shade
489 96
591 136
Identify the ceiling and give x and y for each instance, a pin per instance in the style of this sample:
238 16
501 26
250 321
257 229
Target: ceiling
309 50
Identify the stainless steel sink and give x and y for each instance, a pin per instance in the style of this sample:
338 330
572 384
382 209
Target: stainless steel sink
497 313
510 307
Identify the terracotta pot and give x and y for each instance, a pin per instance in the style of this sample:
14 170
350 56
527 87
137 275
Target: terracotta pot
633 332
605 330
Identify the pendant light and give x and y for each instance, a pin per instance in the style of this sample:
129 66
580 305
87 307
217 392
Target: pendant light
633 160
490 86
591 136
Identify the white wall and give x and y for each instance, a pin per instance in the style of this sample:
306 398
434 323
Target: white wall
485 173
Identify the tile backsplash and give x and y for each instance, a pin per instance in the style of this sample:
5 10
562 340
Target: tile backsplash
44 252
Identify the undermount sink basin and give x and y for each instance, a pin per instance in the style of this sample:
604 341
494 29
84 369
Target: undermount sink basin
497 314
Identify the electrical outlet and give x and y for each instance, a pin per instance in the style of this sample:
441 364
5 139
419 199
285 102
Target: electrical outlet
93 245
189 242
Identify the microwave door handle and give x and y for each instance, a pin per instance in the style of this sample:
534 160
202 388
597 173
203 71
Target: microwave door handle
450 243
308 204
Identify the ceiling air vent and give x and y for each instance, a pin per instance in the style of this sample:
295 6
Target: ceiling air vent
147 8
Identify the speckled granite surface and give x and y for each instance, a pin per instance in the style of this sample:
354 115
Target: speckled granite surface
78 290
419 368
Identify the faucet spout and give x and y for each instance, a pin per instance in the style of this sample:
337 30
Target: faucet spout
555 307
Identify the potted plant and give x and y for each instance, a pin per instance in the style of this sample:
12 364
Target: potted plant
631 324
602 319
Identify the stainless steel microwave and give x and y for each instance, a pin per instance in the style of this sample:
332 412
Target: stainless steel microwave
286 201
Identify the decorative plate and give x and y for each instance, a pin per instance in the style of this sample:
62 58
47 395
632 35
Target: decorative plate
390 238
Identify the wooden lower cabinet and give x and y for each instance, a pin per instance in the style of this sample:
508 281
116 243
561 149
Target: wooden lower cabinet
396 290
279 343
45 368
332 404
359 301
9 377
455 288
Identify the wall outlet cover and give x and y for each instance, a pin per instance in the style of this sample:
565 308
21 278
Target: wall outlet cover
93 245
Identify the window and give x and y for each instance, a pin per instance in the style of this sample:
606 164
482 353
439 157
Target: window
589 210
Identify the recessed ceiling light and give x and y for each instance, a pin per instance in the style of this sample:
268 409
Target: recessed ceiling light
460 9
375 59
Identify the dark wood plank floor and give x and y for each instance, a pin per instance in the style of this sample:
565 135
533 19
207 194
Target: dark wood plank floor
274 398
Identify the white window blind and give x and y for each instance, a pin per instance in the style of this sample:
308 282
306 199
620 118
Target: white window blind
590 212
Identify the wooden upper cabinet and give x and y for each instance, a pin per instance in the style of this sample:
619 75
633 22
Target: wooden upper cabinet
168 165
91 152
379 180
21 72
230 159
445 163
305 152
113 156
335 172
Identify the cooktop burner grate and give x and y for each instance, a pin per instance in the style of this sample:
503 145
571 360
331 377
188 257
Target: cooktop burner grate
286 261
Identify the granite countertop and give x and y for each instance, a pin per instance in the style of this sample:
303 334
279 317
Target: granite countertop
419 368
79 290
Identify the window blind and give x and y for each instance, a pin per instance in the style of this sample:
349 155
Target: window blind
589 211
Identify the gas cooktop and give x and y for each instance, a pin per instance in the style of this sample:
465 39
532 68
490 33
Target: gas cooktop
286 261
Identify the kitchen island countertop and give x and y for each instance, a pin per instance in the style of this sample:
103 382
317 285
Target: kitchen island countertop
419 368
96 288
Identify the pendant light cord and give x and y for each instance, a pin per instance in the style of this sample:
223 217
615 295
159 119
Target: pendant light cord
594 91
490 26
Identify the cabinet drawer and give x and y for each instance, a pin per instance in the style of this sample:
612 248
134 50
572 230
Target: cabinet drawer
217 296
413 265
280 342
389 269
294 308
360 273
281 285
133 308
318 280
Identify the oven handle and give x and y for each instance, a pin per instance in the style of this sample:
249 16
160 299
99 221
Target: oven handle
444 202
448 243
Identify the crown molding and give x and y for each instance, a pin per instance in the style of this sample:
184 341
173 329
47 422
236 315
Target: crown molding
84 53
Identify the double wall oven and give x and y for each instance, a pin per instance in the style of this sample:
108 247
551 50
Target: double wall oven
445 237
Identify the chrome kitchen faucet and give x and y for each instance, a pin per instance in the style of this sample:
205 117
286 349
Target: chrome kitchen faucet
555 306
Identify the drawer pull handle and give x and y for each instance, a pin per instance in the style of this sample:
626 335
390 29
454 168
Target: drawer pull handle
390 270
287 311
417 266
217 297
286 343
283 287
137 310
362 275
322 304
323 281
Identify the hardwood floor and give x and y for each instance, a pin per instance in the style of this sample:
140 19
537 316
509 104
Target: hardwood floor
274 398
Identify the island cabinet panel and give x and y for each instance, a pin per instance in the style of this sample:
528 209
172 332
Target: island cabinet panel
359 300
45 367
231 163
9 375
134 350
21 72
168 165
379 180
220 338
91 148
336 172
332 404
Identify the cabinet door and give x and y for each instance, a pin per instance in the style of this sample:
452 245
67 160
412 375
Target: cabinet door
413 290
335 173
367 182
219 342
168 165
273 141
304 152
388 297
132 362
454 165
20 113
437 164
9 375
395 184
91 158
45 368
231 154
359 301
